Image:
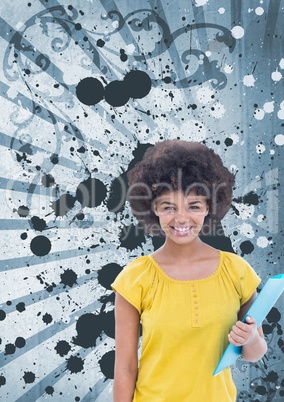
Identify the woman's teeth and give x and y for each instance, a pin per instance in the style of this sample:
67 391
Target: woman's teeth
182 229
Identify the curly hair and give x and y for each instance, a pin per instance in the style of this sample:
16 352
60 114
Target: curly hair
179 165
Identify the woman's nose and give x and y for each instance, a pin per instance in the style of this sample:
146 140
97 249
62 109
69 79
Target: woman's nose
182 216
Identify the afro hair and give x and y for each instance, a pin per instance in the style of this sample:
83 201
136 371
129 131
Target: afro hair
179 165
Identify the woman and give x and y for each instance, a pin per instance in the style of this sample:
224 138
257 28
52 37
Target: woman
189 297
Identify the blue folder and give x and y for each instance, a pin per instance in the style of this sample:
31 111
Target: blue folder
261 306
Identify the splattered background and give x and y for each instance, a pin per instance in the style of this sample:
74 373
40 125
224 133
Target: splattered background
86 88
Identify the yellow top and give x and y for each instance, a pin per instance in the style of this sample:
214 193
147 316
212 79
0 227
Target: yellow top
185 326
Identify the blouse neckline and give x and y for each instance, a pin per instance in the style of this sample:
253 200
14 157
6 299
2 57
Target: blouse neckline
186 281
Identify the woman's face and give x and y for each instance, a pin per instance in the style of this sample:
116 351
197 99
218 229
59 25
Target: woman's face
181 217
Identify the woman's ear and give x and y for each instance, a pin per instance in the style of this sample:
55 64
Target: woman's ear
155 209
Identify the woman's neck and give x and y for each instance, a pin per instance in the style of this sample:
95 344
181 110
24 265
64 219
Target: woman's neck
180 252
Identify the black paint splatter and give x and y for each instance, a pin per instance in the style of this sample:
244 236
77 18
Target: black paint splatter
131 236
261 390
107 364
75 364
2 315
249 199
100 43
38 223
29 377
54 159
47 318
108 323
107 274
2 380
90 91
40 246
63 205
137 84
69 277
47 180
23 211
91 192
116 94
62 348
119 186
10 349
20 342
117 195
49 390
89 328
273 315
246 247
228 142
21 307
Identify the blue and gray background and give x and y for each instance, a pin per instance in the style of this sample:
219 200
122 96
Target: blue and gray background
86 87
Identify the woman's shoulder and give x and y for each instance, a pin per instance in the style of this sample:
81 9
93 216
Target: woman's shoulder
140 263
138 269
233 258
235 265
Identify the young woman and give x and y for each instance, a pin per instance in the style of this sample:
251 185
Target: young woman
189 297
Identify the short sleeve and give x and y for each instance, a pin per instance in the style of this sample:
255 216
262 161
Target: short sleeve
244 277
134 282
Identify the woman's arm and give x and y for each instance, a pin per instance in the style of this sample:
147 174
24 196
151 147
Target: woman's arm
127 329
247 335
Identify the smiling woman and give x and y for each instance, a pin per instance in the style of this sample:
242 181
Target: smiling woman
181 215
188 296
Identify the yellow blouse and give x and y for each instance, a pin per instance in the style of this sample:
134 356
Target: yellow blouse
185 326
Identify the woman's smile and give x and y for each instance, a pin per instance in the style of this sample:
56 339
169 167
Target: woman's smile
180 215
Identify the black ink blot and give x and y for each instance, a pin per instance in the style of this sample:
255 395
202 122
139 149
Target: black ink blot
2 315
49 390
2 380
108 323
38 223
69 277
246 247
116 94
91 192
75 364
131 237
62 348
90 91
23 211
107 274
20 342
88 328
107 364
137 83
47 318
47 180
29 377
63 205
10 349
21 307
40 246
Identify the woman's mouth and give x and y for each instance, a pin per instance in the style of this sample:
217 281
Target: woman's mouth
182 231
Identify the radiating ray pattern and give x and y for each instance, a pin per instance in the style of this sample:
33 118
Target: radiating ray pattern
86 88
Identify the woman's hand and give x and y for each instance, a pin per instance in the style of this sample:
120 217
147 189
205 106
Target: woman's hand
244 333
